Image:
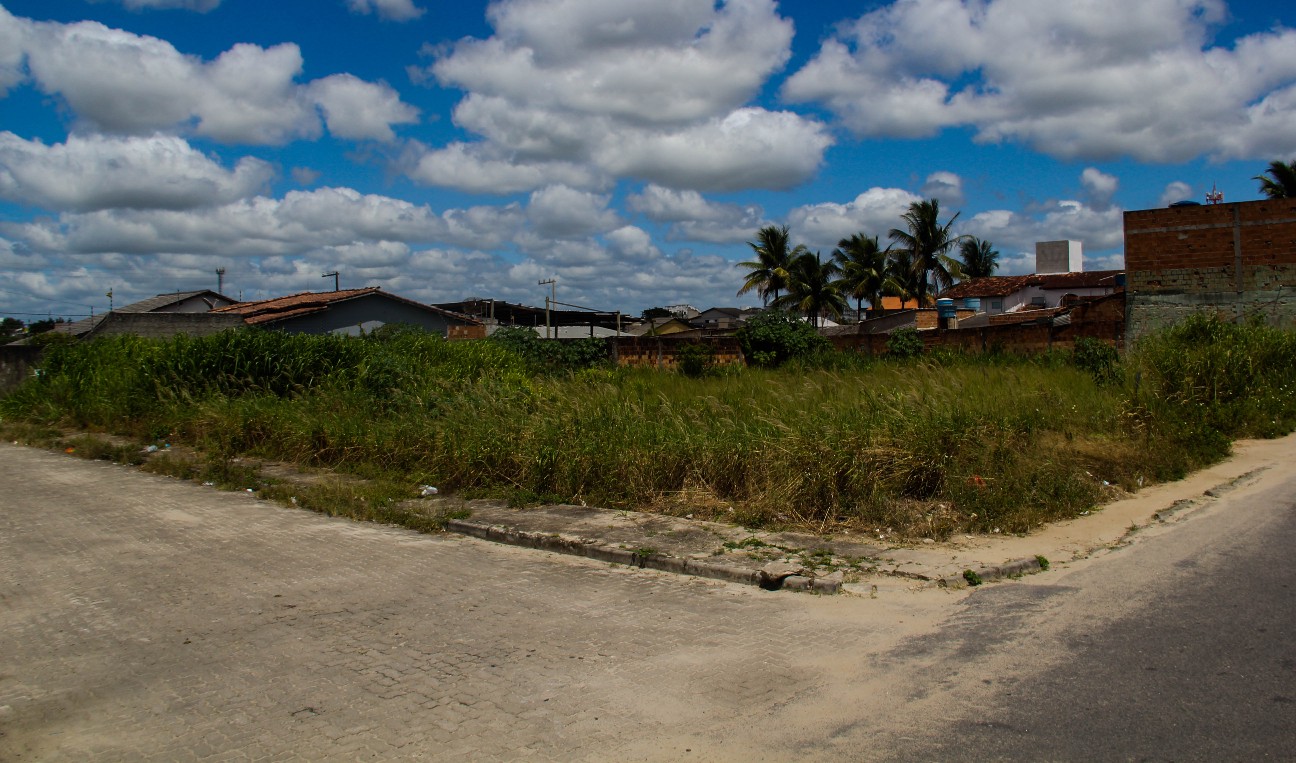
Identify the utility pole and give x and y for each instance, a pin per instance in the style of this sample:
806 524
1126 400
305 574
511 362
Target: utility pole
335 279
549 300
109 296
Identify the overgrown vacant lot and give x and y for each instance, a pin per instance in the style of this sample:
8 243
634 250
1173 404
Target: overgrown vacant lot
924 446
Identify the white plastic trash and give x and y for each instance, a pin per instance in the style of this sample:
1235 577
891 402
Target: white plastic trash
426 490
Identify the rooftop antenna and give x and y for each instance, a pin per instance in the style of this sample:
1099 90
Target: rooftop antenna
334 274
1214 196
220 280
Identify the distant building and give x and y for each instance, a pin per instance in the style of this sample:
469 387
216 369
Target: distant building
1059 279
723 318
349 311
183 312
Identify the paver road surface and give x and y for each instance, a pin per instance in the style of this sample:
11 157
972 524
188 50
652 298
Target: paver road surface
143 618
147 618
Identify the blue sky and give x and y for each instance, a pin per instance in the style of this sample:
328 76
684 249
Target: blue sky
627 148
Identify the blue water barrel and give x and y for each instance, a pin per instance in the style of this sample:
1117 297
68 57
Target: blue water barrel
945 308
972 303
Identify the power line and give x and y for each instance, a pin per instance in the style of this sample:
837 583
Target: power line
48 313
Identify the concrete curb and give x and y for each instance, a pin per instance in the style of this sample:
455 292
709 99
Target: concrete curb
995 572
643 558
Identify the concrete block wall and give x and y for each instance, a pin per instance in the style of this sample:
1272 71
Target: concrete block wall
662 352
1237 259
17 361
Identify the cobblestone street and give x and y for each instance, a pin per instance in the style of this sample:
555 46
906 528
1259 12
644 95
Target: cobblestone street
146 618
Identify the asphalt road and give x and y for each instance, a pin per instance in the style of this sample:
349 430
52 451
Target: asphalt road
145 618
1180 647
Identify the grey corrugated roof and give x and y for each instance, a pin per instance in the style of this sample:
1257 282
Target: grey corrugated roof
150 305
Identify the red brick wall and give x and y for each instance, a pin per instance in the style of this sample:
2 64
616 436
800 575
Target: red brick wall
661 352
458 333
1238 259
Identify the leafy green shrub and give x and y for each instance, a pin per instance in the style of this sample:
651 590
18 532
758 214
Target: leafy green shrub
1099 359
695 359
551 354
904 343
1206 381
774 337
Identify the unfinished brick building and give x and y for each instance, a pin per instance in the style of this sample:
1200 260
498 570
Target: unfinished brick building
1236 259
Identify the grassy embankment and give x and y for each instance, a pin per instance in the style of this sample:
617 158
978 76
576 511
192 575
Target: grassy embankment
922 447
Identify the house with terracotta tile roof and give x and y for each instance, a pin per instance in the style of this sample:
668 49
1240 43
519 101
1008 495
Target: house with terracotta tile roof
348 311
1007 294
1059 279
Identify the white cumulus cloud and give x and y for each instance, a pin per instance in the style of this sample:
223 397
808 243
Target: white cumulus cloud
124 83
563 212
392 10
103 172
652 91
873 213
1095 79
202 6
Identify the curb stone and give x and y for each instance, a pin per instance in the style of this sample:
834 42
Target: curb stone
995 572
594 549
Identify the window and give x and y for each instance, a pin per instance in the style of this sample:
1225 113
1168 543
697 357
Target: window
996 305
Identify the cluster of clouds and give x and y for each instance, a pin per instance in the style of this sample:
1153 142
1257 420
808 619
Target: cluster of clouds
1096 79
393 10
570 101
120 83
585 92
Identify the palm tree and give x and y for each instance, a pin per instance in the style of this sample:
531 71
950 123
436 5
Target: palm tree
902 281
774 255
1282 181
813 288
863 265
928 243
980 258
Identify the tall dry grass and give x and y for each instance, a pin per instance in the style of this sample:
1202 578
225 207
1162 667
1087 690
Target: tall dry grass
923 447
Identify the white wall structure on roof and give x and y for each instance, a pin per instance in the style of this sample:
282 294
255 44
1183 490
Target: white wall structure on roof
1058 257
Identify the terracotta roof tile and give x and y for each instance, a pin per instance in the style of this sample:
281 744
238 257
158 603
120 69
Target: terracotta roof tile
993 286
1090 280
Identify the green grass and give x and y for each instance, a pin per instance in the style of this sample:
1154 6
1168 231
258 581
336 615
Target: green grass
920 447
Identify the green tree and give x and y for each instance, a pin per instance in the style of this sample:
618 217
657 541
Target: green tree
1281 183
774 255
774 337
928 243
902 279
10 327
813 288
979 258
864 274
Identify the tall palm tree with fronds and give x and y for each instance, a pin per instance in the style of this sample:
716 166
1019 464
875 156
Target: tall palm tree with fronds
902 280
1281 183
774 255
979 258
863 266
928 243
813 288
